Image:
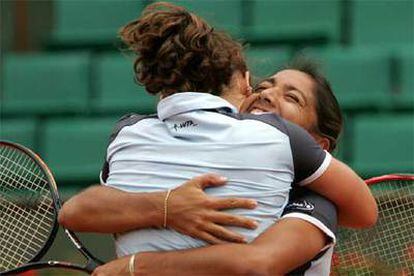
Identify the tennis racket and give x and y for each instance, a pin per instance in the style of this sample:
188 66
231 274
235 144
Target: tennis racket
29 205
388 247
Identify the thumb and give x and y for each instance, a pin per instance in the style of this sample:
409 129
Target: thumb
208 180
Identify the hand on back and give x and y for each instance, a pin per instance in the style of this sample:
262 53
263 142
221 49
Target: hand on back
192 212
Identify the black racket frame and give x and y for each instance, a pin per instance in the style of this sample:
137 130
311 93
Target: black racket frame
34 263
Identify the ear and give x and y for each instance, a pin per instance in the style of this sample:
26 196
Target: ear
323 142
249 89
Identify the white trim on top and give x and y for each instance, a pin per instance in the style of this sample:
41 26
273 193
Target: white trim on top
322 168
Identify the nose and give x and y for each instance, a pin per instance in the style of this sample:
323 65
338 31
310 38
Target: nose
269 97
266 96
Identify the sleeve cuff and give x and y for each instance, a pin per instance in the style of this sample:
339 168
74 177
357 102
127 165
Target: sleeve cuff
322 168
101 180
317 223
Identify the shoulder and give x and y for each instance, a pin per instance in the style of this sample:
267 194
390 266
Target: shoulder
268 118
128 120
290 129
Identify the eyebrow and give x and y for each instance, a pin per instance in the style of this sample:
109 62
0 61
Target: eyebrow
272 81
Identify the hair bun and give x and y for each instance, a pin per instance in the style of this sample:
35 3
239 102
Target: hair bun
178 51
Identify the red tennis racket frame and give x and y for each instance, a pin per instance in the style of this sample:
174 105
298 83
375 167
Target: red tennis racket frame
388 177
370 182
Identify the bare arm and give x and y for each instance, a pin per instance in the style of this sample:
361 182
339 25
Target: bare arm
333 179
103 209
269 254
356 205
107 210
286 245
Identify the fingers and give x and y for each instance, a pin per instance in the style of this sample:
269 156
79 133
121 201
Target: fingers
224 234
208 180
210 238
98 272
232 203
233 220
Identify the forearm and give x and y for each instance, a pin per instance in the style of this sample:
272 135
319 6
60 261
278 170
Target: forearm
276 252
107 210
191 211
212 260
360 210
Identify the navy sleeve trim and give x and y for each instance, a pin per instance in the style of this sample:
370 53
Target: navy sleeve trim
322 168
309 159
104 173
313 208
307 202
128 120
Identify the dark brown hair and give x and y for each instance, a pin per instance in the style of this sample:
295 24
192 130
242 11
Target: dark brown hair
178 51
328 112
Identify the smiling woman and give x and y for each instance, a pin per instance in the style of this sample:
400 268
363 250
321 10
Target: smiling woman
302 95
289 94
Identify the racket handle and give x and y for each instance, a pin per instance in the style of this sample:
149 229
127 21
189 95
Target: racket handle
92 264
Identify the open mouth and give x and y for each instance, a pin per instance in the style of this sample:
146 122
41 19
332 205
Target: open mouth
254 105
256 110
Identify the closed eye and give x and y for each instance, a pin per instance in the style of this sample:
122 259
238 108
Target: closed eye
260 89
293 98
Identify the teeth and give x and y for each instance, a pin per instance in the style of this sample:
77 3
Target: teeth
257 111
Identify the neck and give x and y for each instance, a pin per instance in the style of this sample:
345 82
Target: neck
235 99
235 92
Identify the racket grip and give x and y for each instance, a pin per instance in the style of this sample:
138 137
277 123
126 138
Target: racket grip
93 264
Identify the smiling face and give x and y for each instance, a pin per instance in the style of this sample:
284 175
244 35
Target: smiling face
290 94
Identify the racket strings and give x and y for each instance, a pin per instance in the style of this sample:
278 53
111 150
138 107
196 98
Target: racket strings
387 248
24 227
26 208
23 235
24 168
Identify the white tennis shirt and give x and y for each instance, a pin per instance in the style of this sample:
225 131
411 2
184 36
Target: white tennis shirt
197 133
